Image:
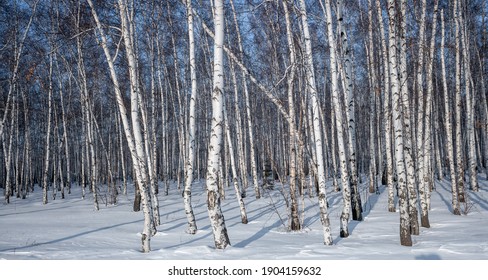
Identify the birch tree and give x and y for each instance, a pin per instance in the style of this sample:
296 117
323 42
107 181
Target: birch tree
423 117
135 146
215 214
312 91
387 112
192 226
47 157
426 185
458 108
346 191
405 237
472 160
406 116
350 114
448 124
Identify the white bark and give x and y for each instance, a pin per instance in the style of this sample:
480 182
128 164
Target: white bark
423 118
407 133
373 184
48 135
141 166
314 103
448 124
387 113
458 105
235 176
8 157
66 145
215 214
472 160
134 141
241 142
192 226
405 238
350 115
295 223
346 191
424 178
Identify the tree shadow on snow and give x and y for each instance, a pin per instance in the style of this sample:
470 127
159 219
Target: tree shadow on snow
68 237
258 235
447 201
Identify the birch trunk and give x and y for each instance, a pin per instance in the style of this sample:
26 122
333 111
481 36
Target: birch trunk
405 237
240 140
448 125
346 191
472 160
235 179
252 148
425 184
407 133
66 144
92 161
215 214
132 143
458 105
314 103
423 117
140 155
48 135
192 226
27 182
350 114
295 223
387 113
373 185
8 157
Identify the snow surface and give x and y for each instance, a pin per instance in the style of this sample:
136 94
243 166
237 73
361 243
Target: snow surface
72 229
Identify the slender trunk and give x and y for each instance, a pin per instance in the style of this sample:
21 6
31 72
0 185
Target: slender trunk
425 184
373 185
387 113
48 135
405 237
27 182
192 226
215 214
91 146
448 125
235 179
252 148
346 191
407 133
350 115
122 157
66 145
315 104
134 141
8 156
295 223
423 118
458 105
139 145
472 160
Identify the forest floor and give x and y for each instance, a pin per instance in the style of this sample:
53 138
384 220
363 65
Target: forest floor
71 229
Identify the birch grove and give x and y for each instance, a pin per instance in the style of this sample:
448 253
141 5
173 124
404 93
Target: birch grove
245 100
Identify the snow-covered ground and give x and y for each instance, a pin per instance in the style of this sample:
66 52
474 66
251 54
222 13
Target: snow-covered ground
72 229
